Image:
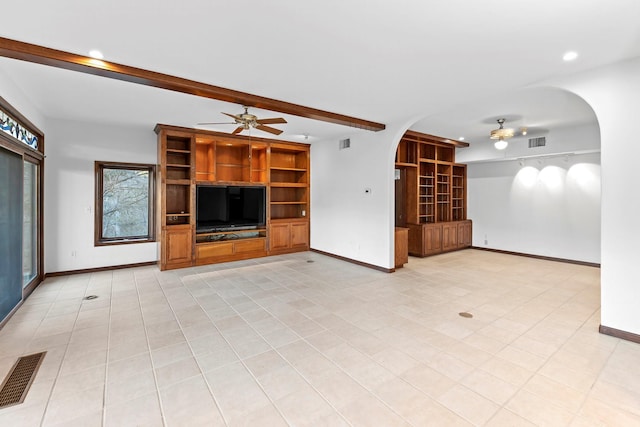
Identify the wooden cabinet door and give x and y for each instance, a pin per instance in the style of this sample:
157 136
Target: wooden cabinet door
279 237
467 234
460 235
433 239
416 237
178 246
449 237
299 234
401 246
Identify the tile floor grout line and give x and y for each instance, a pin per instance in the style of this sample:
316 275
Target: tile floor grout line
569 330
242 361
238 357
62 361
202 373
587 394
146 336
331 361
106 365
547 358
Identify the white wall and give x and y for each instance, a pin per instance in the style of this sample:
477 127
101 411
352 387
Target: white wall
614 94
345 219
548 207
71 150
558 216
14 96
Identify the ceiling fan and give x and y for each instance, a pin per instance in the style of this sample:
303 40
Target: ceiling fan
502 134
247 121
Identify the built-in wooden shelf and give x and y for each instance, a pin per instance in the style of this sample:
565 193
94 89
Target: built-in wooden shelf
434 207
191 157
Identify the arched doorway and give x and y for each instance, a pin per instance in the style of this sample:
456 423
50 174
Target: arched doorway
539 200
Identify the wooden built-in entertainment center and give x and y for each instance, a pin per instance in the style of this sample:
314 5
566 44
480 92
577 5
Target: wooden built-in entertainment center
192 157
431 195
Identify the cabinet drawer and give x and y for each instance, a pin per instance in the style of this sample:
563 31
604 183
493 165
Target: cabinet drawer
250 245
214 249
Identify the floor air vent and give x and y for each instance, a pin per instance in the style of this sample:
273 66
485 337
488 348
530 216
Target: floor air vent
537 142
15 387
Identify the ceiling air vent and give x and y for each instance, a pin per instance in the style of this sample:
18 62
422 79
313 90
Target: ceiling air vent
537 142
344 143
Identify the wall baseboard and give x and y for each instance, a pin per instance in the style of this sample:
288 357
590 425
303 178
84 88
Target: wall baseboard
617 333
99 269
546 258
353 261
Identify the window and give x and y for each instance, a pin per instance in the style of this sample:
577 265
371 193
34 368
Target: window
124 203
17 129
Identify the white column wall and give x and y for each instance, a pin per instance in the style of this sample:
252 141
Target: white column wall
614 94
346 219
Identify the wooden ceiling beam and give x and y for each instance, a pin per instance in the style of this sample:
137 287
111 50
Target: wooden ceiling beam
412 135
69 61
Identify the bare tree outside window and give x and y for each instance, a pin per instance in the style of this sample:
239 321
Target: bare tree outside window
124 203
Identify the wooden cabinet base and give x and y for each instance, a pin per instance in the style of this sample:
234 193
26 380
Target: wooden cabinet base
401 246
288 236
231 250
436 238
176 247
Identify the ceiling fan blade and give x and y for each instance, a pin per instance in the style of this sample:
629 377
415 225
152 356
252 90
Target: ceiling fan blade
238 130
219 123
269 129
233 116
272 121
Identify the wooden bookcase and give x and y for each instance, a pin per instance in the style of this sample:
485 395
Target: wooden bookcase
289 197
189 157
227 160
434 195
175 198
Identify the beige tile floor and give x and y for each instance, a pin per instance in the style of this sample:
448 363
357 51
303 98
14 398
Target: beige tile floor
306 339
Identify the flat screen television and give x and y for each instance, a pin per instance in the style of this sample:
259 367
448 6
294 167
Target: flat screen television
229 207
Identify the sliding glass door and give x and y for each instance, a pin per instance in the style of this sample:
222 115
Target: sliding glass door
11 179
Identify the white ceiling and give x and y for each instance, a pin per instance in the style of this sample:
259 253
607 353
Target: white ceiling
458 64
540 110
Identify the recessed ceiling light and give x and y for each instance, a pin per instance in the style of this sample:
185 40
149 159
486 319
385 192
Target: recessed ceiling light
96 54
461 138
570 56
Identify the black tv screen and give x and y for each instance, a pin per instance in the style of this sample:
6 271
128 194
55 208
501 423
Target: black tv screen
224 208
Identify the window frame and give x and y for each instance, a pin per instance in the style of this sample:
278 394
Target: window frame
99 239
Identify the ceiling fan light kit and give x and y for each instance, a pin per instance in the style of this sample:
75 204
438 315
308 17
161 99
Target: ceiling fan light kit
501 134
501 144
